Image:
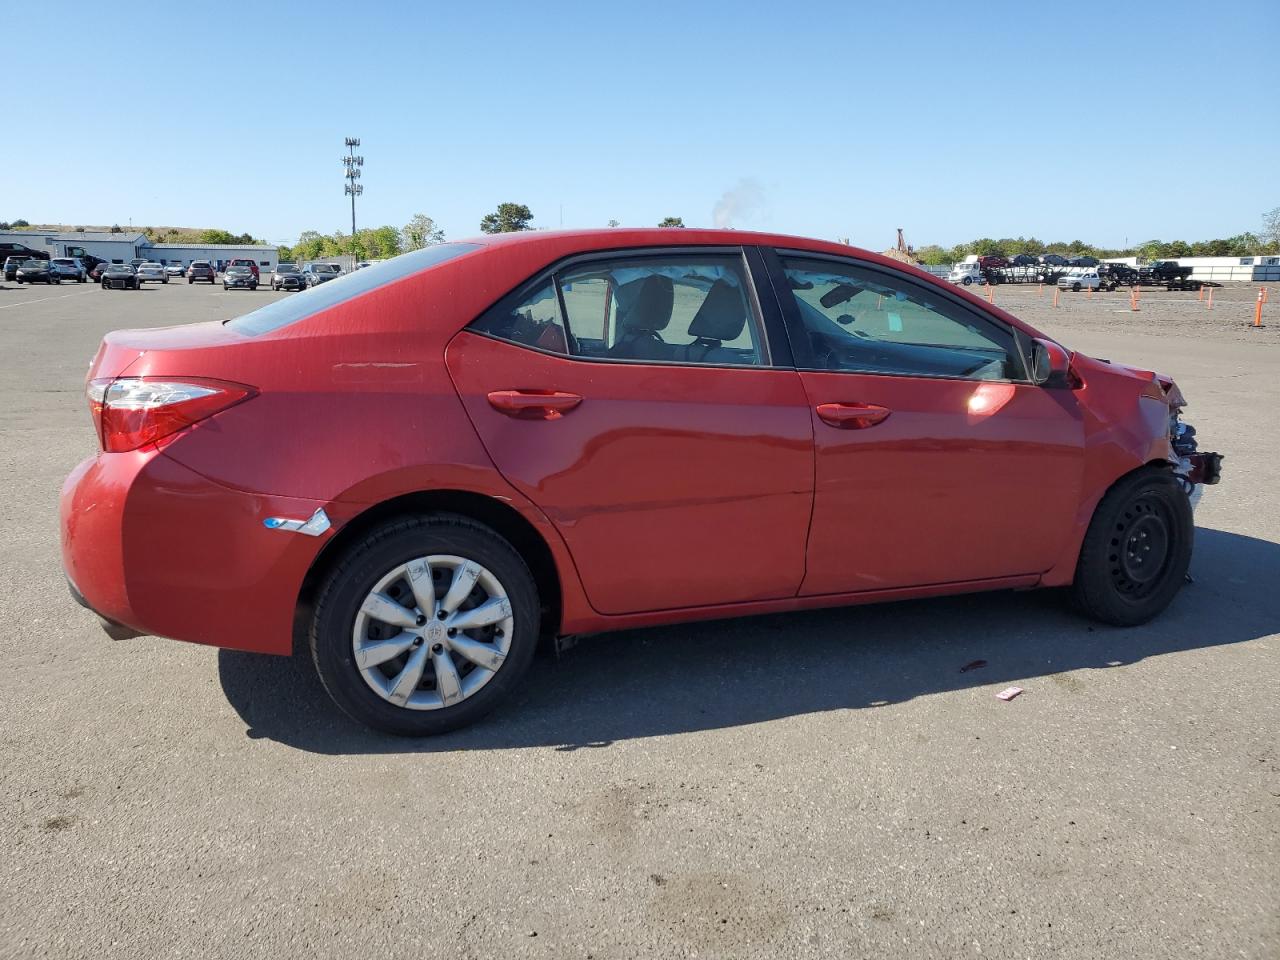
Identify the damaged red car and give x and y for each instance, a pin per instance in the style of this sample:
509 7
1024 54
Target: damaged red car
414 472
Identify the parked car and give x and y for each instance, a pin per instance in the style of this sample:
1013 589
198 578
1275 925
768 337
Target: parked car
136 262
22 251
990 262
1164 271
1117 274
587 431
37 271
11 265
153 272
287 276
96 273
1083 262
201 270
69 268
1087 280
245 262
317 273
1053 260
174 270
239 278
1024 260
120 276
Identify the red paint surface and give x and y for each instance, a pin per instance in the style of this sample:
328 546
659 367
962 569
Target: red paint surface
665 493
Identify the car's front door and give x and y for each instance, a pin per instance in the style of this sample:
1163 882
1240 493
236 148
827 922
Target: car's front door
634 400
936 460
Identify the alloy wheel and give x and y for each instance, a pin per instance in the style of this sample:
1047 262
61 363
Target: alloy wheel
432 632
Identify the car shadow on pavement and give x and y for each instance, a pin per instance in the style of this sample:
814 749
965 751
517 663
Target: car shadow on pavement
726 673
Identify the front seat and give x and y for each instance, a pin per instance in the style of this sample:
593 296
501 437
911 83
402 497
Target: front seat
644 310
721 317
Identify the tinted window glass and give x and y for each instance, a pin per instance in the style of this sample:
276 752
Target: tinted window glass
532 319
675 309
283 312
872 322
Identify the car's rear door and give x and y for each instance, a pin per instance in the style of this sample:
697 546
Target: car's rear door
638 399
936 460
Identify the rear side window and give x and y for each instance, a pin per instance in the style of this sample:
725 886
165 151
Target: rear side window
674 308
531 319
281 313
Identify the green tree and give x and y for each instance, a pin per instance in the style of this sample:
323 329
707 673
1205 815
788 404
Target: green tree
19 225
383 242
934 255
508 218
1270 226
421 231
310 245
672 222
217 236
115 228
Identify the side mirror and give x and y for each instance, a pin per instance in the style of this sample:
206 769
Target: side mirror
1049 363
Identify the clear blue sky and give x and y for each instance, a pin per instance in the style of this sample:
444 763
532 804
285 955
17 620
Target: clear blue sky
953 120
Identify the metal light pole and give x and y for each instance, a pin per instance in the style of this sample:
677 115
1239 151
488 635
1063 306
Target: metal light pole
353 165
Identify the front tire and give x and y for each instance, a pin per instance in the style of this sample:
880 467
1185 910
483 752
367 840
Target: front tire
402 668
1137 550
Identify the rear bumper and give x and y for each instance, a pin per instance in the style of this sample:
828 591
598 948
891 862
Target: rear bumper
155 548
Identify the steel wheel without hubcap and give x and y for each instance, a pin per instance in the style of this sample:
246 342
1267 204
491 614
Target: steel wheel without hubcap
1137 550
1140 548
432 632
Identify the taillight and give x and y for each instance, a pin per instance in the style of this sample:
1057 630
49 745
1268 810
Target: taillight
132 412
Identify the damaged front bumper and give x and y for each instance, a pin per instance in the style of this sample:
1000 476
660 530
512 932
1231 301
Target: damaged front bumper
1193 468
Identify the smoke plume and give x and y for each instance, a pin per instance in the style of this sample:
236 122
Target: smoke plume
740 203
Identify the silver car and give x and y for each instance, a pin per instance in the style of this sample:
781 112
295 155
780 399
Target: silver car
152 271
175 270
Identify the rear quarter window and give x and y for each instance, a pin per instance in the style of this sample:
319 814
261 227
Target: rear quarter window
281 313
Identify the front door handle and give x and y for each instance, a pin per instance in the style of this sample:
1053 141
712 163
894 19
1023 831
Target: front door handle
852 416
533 404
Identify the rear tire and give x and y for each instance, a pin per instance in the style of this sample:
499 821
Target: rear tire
1135 555
368 561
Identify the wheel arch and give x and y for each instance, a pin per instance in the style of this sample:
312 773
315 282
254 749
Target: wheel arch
501 517
1063 572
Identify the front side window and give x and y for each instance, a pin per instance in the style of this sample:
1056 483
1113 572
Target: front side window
863 320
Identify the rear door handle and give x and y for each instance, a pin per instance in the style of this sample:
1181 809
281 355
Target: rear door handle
852 416
533 404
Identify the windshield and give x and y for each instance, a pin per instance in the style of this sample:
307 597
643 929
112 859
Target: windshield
322 296
34 263
324 268
118 267
286 267
65 262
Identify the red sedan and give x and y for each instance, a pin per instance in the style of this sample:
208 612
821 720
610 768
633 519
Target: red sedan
423 466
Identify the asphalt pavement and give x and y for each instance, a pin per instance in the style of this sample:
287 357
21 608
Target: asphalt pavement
826 784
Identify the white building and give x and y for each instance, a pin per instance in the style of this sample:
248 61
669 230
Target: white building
123 247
